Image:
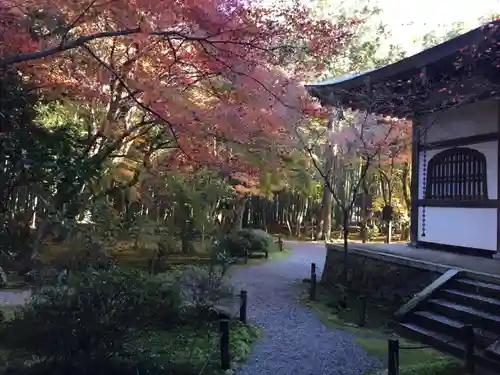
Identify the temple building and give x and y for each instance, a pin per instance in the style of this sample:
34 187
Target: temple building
451 94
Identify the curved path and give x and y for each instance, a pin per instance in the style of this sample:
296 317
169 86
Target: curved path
295 342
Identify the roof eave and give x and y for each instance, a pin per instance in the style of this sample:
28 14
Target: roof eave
418 61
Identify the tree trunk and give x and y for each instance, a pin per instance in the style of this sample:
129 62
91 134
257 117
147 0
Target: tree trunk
406 185
405 234
327 218
300 218
239 213
264 214
364 213
342 196
321 215
3 278
345 224
288 225
388 234
185 245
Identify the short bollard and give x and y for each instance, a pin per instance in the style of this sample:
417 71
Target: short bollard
393 357
362 312
312 291
225 360
280 242
313 269
243 306
151 267
468 331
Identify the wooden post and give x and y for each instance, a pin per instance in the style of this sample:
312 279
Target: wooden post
225 361
469 349
280 242
243 306
393 357
362 313
313 287
312 291
152 266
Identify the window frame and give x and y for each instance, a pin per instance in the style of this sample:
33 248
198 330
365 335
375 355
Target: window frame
468 159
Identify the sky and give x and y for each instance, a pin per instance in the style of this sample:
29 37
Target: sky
407 19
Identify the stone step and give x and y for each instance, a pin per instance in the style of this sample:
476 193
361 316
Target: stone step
476 287
465 314
446 344
488 304
436 322
440 320
429 337
493 351
444 325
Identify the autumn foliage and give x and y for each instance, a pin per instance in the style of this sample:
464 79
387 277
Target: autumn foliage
188 83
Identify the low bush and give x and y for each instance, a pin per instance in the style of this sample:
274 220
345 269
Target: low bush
194 352
242 241
372 232
201 288
83 327
123 321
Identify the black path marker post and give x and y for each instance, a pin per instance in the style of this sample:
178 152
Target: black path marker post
312 291
393 357
362 313
225 360
243 306
468 331
280 242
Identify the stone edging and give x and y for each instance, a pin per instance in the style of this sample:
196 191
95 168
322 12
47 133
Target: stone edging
397 259
410 262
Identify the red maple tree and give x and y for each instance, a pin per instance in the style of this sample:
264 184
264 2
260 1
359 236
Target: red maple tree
210 73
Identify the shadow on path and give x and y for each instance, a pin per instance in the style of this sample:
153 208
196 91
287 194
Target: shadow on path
295 342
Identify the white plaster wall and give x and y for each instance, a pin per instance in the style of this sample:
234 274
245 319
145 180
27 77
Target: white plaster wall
489 149
468 120
466 227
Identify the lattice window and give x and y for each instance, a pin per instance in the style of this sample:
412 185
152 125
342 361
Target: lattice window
457 174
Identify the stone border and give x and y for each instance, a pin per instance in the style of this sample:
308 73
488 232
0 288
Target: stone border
397 259
415 263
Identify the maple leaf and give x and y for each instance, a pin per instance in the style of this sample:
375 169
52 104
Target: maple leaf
209 73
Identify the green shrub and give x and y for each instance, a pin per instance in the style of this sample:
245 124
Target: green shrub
202 289
240 241
372 232
83 328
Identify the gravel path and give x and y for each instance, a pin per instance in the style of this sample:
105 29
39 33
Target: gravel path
14 297
295 342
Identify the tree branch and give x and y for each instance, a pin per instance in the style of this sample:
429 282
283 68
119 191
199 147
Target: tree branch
134 98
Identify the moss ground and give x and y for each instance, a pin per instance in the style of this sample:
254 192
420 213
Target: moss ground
374 334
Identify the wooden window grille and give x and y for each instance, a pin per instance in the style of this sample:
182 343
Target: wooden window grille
457 174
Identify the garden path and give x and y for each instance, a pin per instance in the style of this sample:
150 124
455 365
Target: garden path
295 342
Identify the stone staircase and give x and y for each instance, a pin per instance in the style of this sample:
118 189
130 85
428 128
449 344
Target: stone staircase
437 316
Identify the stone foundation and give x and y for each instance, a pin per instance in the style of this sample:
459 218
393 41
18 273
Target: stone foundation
384 282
